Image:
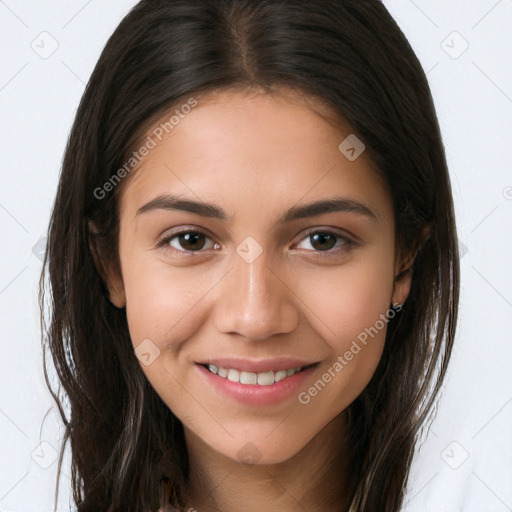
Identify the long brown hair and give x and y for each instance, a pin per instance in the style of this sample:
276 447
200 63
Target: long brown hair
350 54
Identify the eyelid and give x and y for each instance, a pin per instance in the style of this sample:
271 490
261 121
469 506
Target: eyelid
350 240
167 236
342 233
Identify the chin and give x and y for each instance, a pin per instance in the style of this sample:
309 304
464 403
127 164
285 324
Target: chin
261 449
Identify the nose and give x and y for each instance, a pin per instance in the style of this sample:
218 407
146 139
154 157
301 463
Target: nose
255 301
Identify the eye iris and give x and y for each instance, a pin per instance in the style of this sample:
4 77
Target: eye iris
321 238
320 241
187 241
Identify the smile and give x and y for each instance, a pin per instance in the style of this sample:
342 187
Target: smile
262 388
266 378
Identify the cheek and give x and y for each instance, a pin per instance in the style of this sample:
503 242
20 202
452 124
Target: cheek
161 299
351 298
352 310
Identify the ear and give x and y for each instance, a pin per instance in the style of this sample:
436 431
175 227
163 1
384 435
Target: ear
404 268
106 269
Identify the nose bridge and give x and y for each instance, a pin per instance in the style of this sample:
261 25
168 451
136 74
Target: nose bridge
256 282
254 301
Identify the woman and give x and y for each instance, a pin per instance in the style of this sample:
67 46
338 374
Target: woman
253 261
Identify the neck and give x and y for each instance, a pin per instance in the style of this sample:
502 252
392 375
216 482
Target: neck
314 479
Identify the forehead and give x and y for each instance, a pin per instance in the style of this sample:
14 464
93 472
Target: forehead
262 149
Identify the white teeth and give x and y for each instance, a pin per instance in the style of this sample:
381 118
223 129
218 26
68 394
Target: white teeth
262 378
281 374
266 378
248 378
234 375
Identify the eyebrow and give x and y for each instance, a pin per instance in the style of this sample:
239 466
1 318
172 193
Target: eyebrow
334 204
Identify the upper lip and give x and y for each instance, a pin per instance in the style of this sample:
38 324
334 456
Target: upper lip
261 365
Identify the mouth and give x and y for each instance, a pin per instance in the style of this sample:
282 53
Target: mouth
258 389
264 378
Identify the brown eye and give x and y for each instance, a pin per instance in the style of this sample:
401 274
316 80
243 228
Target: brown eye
322 241
327 242
191 241
184 242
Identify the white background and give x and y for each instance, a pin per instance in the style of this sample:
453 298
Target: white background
465 462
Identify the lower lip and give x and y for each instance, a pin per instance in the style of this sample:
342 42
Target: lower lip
255 394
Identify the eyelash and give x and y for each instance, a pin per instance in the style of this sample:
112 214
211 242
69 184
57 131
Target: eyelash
348 243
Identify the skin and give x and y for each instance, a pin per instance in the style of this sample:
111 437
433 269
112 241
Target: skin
256 155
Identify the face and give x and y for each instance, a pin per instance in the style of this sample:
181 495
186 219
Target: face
257 283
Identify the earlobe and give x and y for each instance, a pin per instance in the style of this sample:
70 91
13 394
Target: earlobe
110 277
116 295
403 277
404 270
402 286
